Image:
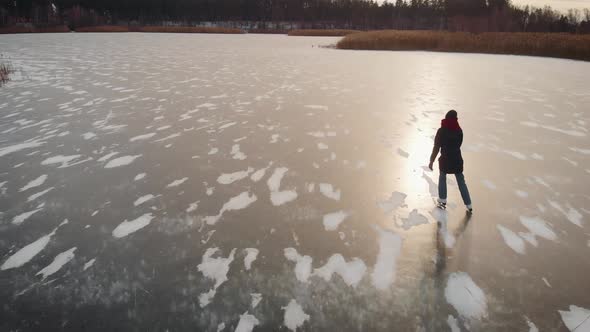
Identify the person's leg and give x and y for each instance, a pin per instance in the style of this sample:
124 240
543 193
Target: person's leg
463 189
442 187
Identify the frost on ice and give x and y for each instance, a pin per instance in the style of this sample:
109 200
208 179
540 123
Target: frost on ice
465 296
216 269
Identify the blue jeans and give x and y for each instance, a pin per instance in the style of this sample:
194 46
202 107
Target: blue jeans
442 187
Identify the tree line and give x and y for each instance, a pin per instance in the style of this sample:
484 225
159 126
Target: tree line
453 15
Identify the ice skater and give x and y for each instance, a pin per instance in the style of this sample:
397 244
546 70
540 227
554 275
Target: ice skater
448 141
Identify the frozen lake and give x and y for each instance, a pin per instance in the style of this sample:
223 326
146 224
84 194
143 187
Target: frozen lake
170 182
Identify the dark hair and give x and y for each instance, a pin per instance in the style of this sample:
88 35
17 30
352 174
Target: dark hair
452 114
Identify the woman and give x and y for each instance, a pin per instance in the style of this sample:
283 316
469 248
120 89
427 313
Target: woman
448 140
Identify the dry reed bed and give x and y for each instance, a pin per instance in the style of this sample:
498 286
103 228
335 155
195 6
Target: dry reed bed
321 32
61 28
104 28
569 46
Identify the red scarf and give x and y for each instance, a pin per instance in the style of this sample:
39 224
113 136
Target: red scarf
451 124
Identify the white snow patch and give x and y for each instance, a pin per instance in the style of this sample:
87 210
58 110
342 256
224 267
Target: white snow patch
58 262
142 137
89 264
539 227
236 153
34 183
213 151
192 207
127 227
256 298
489 184
532 326
39 194
251 254
229 178
139 176
302 266
64 160
19 219
333 220
402 153
389 249
238 202
176 183
28 252
465 296
17 147
327 190
322 146
121 161
258 175
414 219
216 269
351 272
107 157
317 107
143 199
395 201
88 135
294 315
511 239
247 323
274 183
452 321
576 319
521 194
227 125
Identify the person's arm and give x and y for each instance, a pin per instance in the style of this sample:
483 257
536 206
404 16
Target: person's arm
435 149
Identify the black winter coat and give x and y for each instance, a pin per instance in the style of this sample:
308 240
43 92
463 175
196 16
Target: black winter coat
449 141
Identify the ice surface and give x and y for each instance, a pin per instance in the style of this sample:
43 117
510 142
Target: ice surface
34 183
322 146
402 153
143 199
127 227
395 201
229 178
251 254
389 249
58 262
216 269
303 264
294 315
247 323
576 318
465 296
333 220
19 219
351 272
327 190
489 184
511 239
121 161
238 202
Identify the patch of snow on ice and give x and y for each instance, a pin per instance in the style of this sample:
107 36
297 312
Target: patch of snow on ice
39 194
278 197
107 157
294 316
216 269
213 151
19 219
64 160
452 321
302 266
256 298
28 252
258 175
512 240
351 272
176 183
521 194
532 326
414 219
395 201
402 153
465 296
88 135
142 137
333 220
127 227
121 161
18 147
322 146
58 262
241 201
576 319
139 176
247 323
143 199
389 249
34 183
327 190
539 227
89 264
229 178
251 254
489 184
236 153
192 207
